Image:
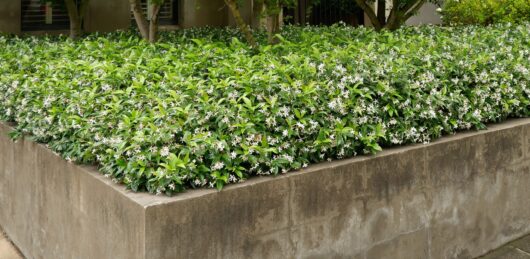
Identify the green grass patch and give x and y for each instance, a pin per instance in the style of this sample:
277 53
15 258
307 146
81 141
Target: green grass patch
201 109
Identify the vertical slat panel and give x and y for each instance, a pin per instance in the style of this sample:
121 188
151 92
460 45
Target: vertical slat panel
34 16
168 12
325 13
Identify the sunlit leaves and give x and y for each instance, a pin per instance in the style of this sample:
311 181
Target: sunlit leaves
201 109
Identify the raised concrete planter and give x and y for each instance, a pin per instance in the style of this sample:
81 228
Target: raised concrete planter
457 197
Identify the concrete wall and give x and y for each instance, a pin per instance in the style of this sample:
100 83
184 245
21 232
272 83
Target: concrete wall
10 16
457 197
54 209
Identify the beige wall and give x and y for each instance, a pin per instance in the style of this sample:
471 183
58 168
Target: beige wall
198 13
107 16
10 16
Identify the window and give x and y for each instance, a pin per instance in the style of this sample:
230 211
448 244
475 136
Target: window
325 12
38 15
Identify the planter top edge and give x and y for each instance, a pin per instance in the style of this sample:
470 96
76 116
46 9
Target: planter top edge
148 200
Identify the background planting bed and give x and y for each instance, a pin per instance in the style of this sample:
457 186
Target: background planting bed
459 196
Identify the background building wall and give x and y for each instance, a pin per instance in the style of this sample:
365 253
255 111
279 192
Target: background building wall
199 13
107 16
10 16
426 15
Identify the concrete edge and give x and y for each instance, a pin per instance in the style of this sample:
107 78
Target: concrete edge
494 253
511 123
146 200
13 250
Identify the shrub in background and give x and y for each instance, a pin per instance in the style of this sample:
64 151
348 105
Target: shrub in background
485 12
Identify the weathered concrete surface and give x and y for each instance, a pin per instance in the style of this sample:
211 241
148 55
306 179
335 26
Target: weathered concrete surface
10 13
54 209
458 197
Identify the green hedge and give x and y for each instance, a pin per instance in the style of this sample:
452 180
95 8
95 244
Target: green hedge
187 113
485 12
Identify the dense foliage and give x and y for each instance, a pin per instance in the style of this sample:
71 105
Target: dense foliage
485 11
200 108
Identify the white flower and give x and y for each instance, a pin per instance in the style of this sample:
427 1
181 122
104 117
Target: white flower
219 146
218 166
477 114
288 158
300 125
284 111
164 151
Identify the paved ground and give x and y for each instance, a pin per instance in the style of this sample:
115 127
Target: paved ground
7 250
518 249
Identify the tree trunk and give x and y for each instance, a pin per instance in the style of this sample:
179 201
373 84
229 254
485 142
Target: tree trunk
412 10
257 11
76 16
394 25
140 19
381 11
273 27
273 10
73 15
393 17
153 24
369 11
232 5
82 11
75 28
